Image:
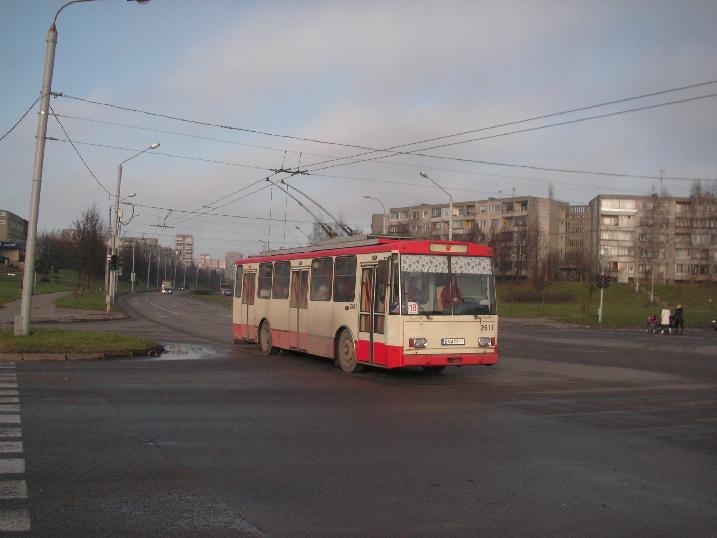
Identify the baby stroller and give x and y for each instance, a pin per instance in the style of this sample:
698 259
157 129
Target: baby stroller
653 324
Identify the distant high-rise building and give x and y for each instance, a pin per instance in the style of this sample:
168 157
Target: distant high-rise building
184 245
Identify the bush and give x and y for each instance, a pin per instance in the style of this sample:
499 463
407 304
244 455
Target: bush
201 292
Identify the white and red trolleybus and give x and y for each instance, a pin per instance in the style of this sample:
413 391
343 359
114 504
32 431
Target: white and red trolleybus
382 302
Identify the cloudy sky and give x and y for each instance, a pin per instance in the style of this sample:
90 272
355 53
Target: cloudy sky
306 82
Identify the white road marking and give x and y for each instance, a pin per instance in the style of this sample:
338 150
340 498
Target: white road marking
12 466
7 447
14 520
13 489
150 301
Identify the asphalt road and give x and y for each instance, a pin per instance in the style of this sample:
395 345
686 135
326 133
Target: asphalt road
576 432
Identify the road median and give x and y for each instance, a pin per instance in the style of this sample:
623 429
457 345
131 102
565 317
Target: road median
52 344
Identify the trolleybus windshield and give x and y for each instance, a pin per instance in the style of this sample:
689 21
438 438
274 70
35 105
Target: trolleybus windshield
447 285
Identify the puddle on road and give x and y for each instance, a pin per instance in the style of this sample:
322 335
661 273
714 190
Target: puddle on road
175 352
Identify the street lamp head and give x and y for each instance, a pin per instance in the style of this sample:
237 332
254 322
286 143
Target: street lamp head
154 146
365 196
423 174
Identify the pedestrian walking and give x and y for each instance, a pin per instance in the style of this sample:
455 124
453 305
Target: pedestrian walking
678 320
665 316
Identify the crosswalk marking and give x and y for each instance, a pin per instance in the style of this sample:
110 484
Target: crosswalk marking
13 488
7 447
12 466
14 520
10 431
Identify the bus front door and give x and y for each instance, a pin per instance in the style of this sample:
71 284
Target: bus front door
372 314
299 310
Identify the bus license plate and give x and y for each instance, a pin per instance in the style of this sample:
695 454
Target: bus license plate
453 341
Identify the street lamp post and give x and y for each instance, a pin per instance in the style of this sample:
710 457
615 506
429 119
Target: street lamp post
22 322
383 221
110 298
450 204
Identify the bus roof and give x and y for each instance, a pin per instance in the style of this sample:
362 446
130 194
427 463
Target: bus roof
365 245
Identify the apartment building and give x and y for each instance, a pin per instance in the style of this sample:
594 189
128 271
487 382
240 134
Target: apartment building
13 234
184 245
574 240
668 239
506 223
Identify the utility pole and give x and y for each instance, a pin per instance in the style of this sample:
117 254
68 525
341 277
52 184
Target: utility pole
174 283
165 268
149 266
184 281
159 260
196 277
133 275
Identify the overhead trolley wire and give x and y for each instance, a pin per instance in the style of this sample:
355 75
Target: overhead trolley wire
370 150
21 118
78 153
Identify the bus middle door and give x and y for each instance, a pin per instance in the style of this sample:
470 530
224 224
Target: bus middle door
299 309
372 313
248 296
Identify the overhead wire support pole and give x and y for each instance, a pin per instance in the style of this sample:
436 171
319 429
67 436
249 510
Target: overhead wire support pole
22 322
324 226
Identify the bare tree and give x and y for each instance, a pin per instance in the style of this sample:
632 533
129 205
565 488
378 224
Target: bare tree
90 237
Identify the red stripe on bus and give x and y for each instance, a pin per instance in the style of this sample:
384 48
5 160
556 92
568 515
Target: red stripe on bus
384 355
404 247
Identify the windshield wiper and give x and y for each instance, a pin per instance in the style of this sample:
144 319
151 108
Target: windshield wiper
420 309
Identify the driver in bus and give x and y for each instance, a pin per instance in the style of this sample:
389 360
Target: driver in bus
450 294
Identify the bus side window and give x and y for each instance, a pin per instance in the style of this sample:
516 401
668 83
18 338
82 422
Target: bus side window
248 289
238 277
280 288
321 276
345 279
266 270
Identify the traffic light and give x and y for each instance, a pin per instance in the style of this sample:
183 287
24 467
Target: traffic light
114 262
602 281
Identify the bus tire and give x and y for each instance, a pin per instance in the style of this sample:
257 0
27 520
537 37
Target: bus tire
265 340
346 354
433 370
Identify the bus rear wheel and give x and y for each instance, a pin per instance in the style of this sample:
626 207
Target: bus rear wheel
433 369
265 340
346 354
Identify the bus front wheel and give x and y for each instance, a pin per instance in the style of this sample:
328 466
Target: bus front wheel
346 354
265 340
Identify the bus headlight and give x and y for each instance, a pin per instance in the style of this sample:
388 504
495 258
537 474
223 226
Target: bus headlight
418 343
486 341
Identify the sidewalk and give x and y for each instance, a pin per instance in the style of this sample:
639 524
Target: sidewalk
45 311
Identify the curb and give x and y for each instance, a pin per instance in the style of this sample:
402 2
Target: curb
72 356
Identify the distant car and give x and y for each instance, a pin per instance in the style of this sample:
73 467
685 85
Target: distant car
226 292
167 291
714 324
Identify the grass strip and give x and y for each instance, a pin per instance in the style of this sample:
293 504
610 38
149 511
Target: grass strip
51 340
